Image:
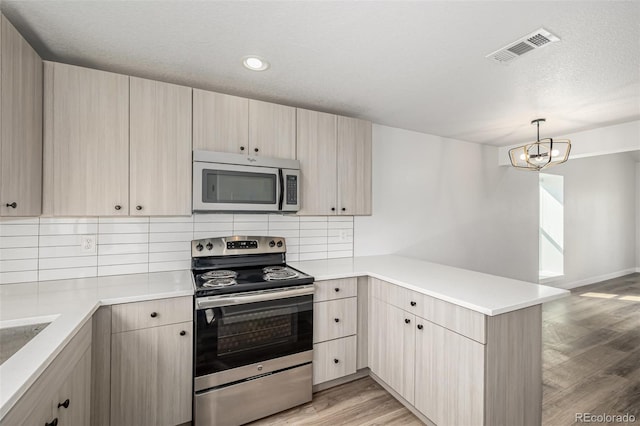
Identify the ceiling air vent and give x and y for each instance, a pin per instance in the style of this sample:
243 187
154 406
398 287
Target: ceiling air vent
535 40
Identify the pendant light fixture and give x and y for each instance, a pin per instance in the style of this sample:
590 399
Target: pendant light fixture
540 154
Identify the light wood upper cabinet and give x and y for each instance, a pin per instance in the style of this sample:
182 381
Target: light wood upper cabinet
354 166
316 151
272 130
226 123
335 161
220 122
20 124
86 145
160 148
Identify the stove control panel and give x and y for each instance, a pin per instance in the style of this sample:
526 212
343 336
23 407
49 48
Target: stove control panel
237 245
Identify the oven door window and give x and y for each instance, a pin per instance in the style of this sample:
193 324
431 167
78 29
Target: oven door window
227 186
234 336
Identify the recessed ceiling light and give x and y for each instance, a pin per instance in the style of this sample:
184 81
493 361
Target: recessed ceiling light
255 63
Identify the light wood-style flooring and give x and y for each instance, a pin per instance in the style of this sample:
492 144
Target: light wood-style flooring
591 363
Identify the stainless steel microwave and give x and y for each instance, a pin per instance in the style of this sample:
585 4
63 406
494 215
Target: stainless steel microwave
234 182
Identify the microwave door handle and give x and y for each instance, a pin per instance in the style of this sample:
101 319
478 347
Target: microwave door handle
282 189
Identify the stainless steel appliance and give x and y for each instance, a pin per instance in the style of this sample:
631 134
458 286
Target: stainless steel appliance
233 182
253 330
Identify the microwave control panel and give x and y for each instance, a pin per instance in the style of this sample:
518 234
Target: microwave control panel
292 189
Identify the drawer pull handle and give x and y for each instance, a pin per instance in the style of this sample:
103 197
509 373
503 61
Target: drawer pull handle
154 314
12 205
413 303
117 207
336 360
420 327
138 208
336 319
54 422
183 333
64 404
337 289
407 320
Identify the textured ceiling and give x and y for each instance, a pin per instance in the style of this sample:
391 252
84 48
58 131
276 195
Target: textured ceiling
414 65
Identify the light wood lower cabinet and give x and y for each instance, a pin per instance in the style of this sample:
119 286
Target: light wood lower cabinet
151 378
449 376
335 329
62 394
453 365
392 347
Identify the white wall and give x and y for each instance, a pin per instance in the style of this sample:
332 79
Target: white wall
638 217
448 201
600 218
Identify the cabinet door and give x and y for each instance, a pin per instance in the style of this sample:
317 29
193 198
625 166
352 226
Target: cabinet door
272 130
449 387
220 122
21 131
86 141
72 406
151 376
316 151
160 148
354 166
392 347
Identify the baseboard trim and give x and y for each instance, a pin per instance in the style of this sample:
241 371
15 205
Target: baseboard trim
341 380
593 280
403 401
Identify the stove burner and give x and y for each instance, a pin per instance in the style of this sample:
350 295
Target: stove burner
220 273
219 282
274 269
282 274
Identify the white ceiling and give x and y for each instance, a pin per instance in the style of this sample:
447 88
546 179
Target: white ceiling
415 65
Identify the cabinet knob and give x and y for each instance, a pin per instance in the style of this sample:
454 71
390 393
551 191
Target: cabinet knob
413 303
64 404
420 327
337 289
256 149
12 205
118 207
54 422
242 148
336 319
138 207
343 209
336 360
154 314
407 320
333 209
183 333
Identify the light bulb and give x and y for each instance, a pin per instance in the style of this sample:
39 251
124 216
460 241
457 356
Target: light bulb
555 153
523 157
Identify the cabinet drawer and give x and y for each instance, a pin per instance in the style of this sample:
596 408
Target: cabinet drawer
334 319
334 359
152 313
398 296
464 321
335 289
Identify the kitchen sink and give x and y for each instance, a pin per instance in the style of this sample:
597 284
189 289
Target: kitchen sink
14 338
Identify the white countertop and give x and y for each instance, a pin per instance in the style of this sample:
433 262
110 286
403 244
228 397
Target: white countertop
68 304
488 294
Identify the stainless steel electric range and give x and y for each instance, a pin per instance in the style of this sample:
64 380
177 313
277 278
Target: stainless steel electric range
253 330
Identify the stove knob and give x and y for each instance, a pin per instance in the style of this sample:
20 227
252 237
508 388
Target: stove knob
272 243
199 247
279 244
209 246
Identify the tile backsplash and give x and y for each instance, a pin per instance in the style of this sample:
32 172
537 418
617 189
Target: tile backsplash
33 249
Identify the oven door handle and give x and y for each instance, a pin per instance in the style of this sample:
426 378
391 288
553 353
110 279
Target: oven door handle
252 297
